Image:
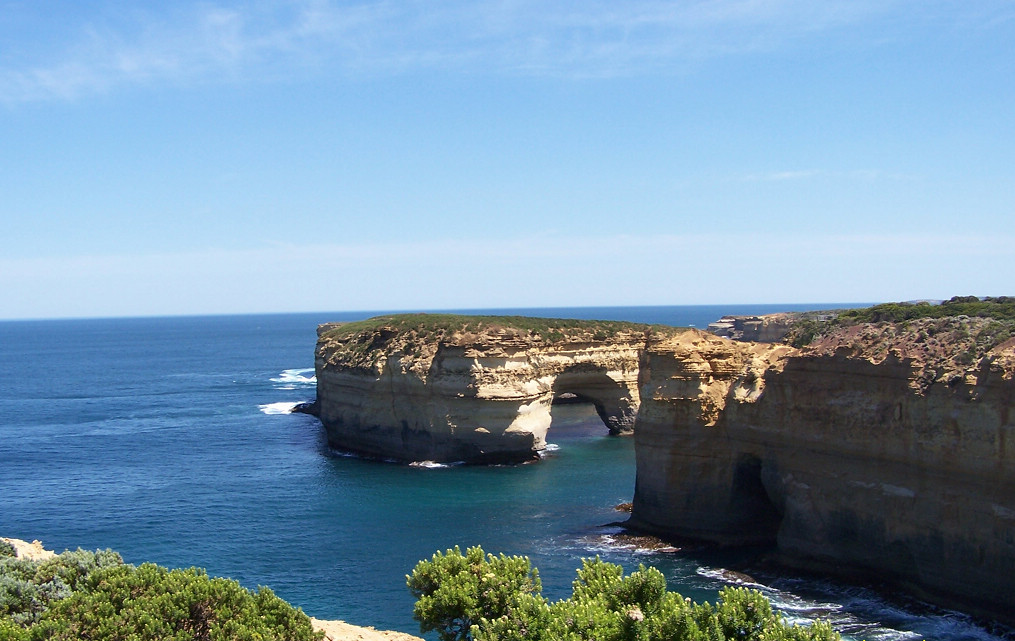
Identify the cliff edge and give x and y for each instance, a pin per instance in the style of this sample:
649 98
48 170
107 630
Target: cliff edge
880 449
876 446
446 388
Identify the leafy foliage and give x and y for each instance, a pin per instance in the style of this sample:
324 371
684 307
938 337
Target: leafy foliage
7 549
487 598
453 591
1000 309
94 595
28 587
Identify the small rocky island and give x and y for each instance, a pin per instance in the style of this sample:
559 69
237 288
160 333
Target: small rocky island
876 442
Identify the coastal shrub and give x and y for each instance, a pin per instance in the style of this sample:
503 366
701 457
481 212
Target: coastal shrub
360 338
486 598
94 595
7 549
28 587
150 603
71 568
11 631
454 590
1001 310
20 597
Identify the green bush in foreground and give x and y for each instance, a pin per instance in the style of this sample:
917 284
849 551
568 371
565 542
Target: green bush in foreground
28 587
496 598
94 595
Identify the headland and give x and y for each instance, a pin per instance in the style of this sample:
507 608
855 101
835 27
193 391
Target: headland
866 445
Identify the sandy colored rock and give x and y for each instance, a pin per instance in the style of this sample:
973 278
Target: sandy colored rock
33 551
483 396
882 450
342 631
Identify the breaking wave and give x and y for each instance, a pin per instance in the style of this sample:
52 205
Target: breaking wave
295 378
284 407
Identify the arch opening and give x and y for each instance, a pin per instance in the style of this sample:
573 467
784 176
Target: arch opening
614 402
575 416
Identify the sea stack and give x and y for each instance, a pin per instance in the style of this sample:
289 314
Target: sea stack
445 388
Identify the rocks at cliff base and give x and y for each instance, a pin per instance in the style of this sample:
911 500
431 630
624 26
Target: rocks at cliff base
310 407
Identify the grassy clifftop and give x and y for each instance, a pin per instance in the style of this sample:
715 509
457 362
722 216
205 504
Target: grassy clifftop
425 326
418 336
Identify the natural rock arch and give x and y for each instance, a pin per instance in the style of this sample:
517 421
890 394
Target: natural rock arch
615 398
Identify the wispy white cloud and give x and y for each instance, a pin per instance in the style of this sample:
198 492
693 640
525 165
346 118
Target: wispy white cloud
209 42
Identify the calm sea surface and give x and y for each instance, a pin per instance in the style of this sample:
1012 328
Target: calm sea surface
167 440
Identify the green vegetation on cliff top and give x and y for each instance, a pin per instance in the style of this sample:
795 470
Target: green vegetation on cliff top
999 311
428 326
999 308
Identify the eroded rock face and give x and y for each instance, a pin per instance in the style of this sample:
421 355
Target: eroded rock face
474 397
880 449
870 452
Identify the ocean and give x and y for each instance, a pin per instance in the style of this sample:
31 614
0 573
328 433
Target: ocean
169 440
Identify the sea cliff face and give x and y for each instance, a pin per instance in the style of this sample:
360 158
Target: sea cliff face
880 450
477 394
874 451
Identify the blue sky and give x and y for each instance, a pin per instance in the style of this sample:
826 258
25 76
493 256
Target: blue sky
233 157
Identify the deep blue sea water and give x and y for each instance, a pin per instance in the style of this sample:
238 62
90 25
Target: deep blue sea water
166 439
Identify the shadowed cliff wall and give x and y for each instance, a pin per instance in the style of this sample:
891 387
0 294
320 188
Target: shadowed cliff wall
890 464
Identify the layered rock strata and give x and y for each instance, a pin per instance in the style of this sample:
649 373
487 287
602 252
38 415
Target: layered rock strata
884 449
481 394
878 451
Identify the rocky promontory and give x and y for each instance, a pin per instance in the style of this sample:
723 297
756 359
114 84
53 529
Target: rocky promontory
882 449
875 445
445 388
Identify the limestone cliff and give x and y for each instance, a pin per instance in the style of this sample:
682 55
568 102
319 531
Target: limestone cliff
476 389
880 448
883 449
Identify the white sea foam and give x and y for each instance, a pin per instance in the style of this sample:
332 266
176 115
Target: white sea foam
284 407
551 449
860 613
430 465
295 378
726 576
434 465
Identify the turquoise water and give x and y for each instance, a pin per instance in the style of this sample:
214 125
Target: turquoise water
165 440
